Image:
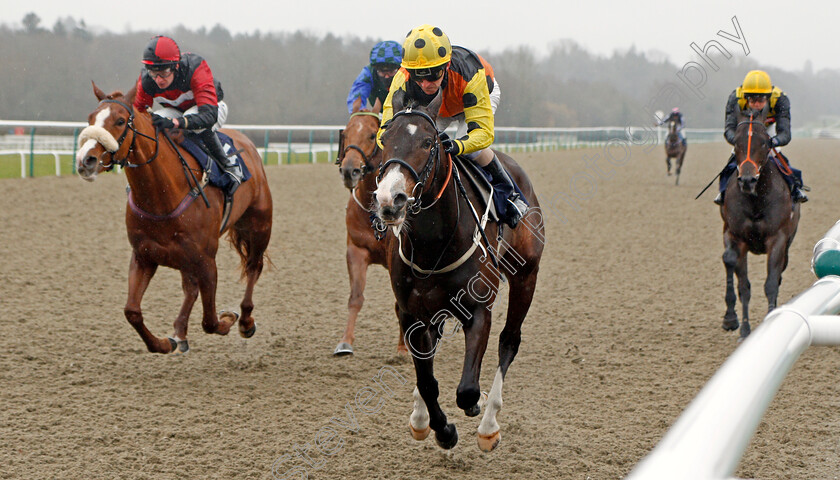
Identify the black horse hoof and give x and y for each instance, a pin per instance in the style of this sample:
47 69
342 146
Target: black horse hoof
250 332
183 346
730 324
473 411
745 330
173 344
448 437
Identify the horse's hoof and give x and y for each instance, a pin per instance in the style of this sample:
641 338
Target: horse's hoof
473 411
248 333
173 344
448 437
745 330
225 313
488 443
344 348
730 324
183 346
419 435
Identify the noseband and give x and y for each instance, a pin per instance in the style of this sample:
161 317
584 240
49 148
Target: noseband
414 202
128 126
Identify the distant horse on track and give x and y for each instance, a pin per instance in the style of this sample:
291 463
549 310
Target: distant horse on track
437 274
359 158
758 216
166 226
674 148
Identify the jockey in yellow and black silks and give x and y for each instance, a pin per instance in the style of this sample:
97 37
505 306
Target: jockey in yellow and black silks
755 93
471 95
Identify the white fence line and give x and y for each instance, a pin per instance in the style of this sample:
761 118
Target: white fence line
508 139
709 438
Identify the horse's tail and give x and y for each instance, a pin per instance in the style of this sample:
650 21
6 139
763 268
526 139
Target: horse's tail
250 258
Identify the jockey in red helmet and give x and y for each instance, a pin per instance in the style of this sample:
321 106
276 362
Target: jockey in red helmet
191 98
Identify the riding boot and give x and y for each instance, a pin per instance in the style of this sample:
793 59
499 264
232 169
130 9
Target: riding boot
516 206
724 179
225 163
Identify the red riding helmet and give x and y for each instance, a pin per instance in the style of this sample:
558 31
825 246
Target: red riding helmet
161 52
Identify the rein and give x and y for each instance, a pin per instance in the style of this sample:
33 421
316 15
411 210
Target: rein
129 126
415 204
749 147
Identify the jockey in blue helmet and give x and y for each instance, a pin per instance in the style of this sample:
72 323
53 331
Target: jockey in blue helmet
372 84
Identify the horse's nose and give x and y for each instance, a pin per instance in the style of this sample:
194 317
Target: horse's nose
89 163
400 200
748 183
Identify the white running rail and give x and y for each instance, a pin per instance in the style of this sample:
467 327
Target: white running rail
709 438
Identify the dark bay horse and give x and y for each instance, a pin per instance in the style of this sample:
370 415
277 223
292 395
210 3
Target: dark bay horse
167 225
439 270
674 148
359 158
758 217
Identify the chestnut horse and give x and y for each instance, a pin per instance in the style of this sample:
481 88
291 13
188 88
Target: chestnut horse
675 149
358 158
437 272
758 217
166 226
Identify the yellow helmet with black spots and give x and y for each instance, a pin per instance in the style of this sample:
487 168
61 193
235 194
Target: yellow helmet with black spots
757 82
426 47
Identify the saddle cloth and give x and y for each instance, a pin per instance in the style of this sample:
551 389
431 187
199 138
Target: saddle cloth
215 175
480 180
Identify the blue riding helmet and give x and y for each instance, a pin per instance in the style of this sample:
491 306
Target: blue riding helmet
388 52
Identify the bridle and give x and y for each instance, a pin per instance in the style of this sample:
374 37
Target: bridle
128 126
414 205
748 158
368 158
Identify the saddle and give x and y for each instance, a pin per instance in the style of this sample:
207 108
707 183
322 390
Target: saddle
480 180
216 177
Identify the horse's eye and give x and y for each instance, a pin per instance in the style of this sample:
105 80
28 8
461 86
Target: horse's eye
120 122
428 143
373 136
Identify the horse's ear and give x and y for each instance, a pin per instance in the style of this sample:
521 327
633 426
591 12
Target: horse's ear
129 97
356 107
434 105
377 106
100 95
398 100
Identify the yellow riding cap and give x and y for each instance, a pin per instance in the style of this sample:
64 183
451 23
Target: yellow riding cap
757 82
426 47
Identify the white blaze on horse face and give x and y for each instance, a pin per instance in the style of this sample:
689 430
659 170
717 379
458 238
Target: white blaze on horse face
392 184
96 134
412 129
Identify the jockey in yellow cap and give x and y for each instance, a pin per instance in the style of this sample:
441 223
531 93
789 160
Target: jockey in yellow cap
754 94
471 94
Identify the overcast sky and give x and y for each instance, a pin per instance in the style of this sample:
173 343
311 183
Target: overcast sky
778 34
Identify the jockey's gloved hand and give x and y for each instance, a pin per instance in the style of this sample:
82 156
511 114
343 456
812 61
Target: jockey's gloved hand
774 142
449 145
162 122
